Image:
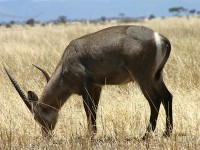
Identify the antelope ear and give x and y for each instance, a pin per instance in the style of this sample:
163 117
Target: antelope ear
32 96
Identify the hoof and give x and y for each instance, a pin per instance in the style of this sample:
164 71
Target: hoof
147 136
167 134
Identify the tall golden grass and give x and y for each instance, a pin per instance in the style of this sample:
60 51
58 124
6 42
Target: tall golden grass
123 112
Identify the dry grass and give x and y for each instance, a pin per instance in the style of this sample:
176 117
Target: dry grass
123 112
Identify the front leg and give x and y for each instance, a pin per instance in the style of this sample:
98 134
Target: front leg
91 94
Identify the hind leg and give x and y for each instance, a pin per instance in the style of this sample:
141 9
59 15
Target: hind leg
154 100
167 103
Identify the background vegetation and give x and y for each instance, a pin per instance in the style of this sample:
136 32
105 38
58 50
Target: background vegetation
123 112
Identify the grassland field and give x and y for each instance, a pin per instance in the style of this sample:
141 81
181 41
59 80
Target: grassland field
123 112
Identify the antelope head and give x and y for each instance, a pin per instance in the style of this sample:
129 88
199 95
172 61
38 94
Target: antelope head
43 114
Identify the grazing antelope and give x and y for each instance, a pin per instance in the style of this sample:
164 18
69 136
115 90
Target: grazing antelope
118 54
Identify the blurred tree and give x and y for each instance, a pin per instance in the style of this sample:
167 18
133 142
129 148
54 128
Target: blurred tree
177 10
103 19
8 25
121 15
62 19
198 13
192 12
30 22
12 22
151 17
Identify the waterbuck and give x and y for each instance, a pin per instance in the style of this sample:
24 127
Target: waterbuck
117 55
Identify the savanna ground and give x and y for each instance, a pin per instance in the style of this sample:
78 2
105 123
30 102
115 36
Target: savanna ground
123 111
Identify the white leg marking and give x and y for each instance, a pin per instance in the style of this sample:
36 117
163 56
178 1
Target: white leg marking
159 53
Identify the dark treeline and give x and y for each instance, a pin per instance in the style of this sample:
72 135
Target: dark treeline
122 18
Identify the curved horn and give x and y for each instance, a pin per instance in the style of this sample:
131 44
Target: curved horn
20 92
44 72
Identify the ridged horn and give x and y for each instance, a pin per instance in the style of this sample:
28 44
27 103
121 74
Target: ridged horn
44 72
18 89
